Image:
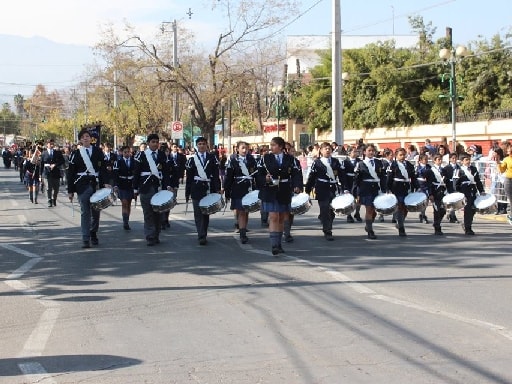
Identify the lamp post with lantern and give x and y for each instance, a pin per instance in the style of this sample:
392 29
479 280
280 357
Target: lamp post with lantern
280 99
451 56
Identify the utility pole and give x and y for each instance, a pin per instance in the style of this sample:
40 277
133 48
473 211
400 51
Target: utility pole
115 107
337 102
175 63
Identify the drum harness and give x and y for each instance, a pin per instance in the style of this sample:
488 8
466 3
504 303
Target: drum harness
90 171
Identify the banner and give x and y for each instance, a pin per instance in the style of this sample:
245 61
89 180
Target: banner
95 132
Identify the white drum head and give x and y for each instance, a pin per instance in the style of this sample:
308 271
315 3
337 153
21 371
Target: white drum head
162 197
100 195
453 198
250 198
485 201
210 199
385 201
415 198
300 199
342 201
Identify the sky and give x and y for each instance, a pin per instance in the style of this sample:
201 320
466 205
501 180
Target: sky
80 22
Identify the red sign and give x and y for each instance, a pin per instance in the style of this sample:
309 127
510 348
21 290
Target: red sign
177 130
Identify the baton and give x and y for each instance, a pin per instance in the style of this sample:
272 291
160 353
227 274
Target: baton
135 202
225 207
72 208
186 208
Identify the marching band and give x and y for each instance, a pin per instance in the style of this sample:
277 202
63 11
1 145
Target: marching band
272 184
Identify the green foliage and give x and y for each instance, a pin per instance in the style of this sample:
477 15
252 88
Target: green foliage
390 87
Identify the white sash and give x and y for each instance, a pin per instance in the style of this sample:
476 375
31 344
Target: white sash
200 168
468 174
243 167
371 169
151 162
402 169
330 172
87 160
437 174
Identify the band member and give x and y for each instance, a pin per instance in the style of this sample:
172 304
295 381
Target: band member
277 179
469 184
52 161
109 159
435 178
452 171
123 183
32 171
370 179
150 173
202 178
239 181
387 158
325 175
401 179
85 174
288 221
179 161
349 165
420 170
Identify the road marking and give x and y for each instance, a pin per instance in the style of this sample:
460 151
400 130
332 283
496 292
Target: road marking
36 342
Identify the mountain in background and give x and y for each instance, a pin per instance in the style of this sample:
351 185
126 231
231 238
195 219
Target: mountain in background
27 62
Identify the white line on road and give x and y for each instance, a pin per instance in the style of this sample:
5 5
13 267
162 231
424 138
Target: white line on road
363 289
36 343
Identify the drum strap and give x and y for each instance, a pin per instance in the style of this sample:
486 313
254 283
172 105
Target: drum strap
468 174
371 169
330 172
402 170
87 160
437 174
200 169
151 162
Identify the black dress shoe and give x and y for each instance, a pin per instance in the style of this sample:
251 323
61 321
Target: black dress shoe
328 237
50 204
350 219
150 242
54 202
401 232
438 232
371 235
469 232
86 244
157 240
202 241
94 239
275 251
358 218
244 239
280 249
126 227
288 238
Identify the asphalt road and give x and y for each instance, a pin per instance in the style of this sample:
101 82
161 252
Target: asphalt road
421 309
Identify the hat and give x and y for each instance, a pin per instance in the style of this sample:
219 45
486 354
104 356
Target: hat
472 148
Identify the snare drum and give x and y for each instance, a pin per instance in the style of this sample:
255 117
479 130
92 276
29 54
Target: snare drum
343 204
385 204
211 203
486 204
251 202
300 204
102 199
163 201
455 200
416 202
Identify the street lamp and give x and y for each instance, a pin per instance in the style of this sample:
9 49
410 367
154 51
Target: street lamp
278 94
450 56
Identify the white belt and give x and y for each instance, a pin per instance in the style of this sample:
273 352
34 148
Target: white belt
47 165
126 177
283 180
351 174
244 177
87 174
421 179
371 181
197 178
327 181
468 182
439 184
402 180
146 174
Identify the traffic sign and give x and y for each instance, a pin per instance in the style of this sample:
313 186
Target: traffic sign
177 130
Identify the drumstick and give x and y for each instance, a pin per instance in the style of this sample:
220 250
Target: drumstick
72 208
186 208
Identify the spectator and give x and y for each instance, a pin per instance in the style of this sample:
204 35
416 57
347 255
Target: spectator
430 148
472 151
411 153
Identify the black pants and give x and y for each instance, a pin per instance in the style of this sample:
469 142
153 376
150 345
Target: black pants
326 215
53 187
202 221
